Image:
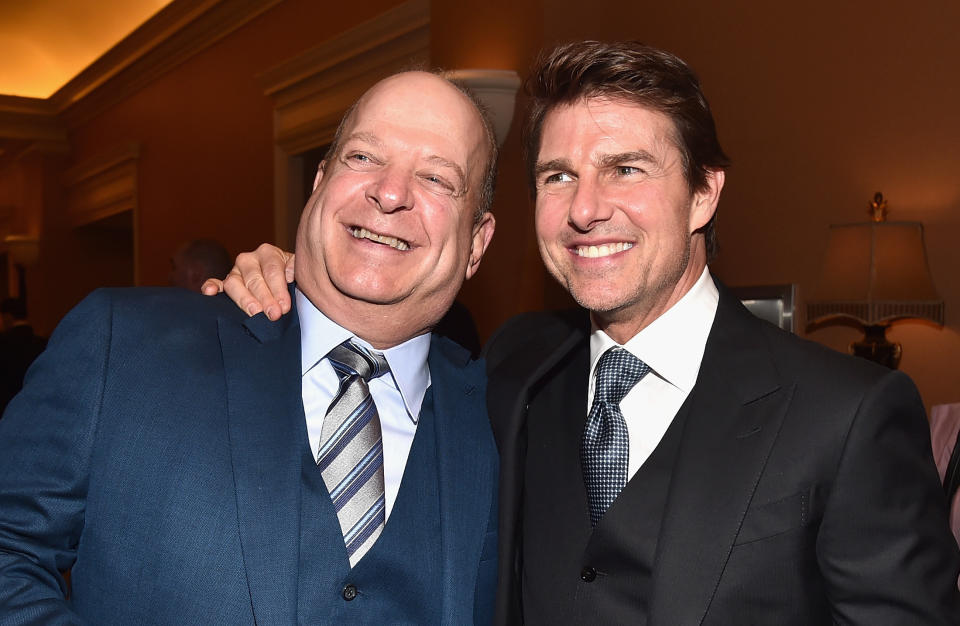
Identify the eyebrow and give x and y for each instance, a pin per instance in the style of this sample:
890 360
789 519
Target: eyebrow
550 166
442 162
606 160
609 160
362 136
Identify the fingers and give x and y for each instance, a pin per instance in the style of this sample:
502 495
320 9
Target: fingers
277 268
211 287
258 281
289 267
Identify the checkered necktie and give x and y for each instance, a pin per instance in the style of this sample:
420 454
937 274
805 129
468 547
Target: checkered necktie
605 447
351 451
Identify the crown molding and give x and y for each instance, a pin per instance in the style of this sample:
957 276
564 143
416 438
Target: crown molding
27 120
311 91
175 34
102 186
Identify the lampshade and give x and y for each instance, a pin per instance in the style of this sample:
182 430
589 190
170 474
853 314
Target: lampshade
874 273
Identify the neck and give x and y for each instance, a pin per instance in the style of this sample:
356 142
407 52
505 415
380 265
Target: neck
383 326
623 324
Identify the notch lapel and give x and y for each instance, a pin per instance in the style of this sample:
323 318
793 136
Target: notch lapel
467 469
733 416
262 368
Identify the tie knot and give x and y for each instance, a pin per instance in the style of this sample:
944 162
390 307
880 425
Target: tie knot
352 359
617 372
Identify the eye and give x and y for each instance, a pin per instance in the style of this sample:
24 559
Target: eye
438 183
627 170
359 160
557 177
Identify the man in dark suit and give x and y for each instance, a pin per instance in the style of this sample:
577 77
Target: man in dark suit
194 466
666 457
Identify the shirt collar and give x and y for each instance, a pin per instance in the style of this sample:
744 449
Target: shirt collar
673 344
408 360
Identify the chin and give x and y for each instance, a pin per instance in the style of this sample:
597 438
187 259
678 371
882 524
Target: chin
600 300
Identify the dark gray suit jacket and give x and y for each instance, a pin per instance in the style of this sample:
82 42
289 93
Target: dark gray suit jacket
803 491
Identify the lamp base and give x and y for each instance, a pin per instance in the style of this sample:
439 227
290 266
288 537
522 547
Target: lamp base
875 347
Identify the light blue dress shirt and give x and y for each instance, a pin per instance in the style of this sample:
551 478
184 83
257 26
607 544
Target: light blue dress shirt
398 396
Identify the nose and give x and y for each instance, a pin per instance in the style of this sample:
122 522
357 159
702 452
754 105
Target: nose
588 206
391 190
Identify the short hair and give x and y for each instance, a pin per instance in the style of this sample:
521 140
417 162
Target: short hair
639 74
488 184
208 255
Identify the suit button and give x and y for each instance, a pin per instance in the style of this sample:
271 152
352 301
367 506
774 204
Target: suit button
588 574
349 593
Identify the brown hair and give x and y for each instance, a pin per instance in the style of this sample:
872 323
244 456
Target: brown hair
486 191
639 74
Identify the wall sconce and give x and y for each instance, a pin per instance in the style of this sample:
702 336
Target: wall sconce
497 89
874 273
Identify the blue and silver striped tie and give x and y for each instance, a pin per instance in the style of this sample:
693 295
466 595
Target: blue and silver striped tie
351 450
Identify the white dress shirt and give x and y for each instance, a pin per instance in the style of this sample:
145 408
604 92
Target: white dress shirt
398 395
672 345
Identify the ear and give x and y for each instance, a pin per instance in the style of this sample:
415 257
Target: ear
320 169
482 234
705 201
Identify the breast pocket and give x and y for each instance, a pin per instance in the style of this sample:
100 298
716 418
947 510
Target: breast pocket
782 515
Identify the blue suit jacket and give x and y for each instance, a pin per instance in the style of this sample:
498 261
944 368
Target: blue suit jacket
156 450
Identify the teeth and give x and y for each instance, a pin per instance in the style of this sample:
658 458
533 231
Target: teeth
393 242
606 249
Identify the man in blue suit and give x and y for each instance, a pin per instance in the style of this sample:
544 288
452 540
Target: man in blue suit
174 454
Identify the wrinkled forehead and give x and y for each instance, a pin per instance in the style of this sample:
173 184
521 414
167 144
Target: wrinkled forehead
422 106
619 116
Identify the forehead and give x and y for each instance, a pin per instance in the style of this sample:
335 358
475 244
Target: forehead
421 112
604 125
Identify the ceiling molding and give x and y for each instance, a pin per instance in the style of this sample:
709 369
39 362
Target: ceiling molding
28 124
311 91
175 34
102 186
27 120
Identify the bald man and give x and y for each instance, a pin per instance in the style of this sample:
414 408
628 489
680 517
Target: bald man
337 467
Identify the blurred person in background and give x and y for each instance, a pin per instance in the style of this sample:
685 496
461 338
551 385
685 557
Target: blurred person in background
197 260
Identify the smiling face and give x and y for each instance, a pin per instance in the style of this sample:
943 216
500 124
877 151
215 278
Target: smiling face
615 217
389 234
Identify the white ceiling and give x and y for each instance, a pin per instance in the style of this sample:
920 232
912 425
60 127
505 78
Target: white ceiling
45 43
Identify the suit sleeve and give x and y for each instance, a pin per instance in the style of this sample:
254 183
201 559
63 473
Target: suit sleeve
884 546
46 438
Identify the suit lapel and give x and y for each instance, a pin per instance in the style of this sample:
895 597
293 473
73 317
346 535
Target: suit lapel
734 414
531 360
467 471
262 368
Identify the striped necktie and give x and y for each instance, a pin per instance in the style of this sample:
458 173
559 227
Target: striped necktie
351 450
605 447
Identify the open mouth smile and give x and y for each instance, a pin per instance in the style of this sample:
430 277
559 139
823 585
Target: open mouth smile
393 242
594 252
